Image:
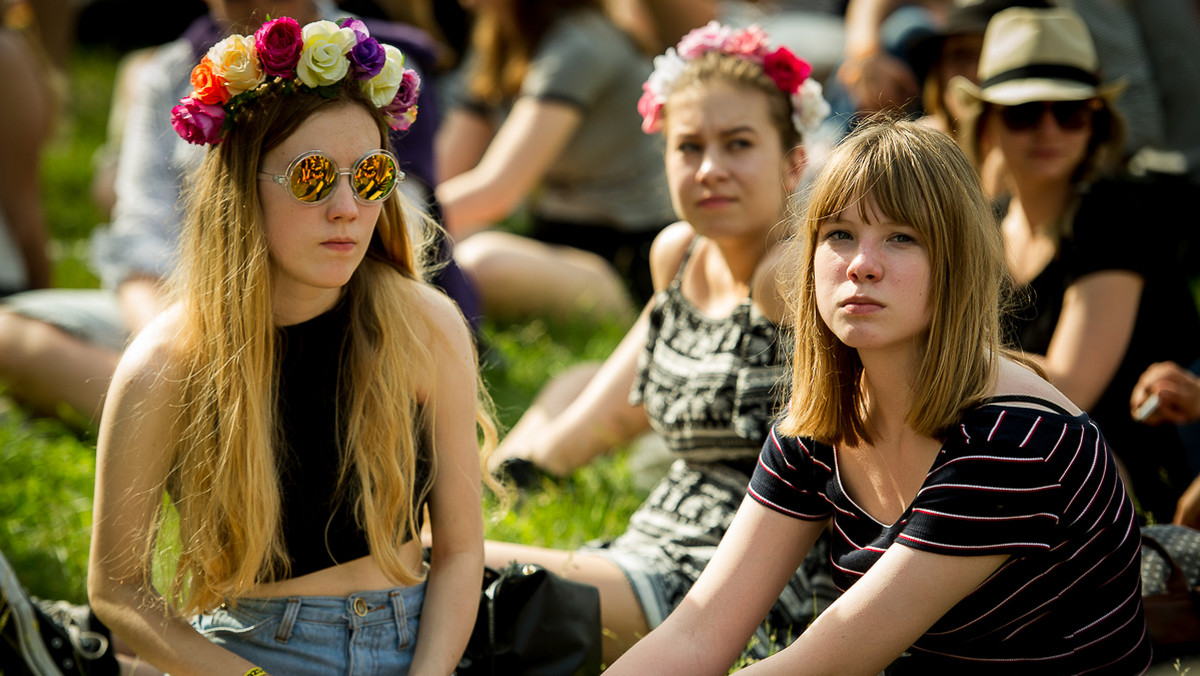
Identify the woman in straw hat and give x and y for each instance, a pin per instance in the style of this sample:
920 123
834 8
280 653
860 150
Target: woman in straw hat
1102 305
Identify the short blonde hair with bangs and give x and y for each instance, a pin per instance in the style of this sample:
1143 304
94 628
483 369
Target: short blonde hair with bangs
917 176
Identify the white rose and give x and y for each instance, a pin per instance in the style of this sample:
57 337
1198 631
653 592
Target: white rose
323 59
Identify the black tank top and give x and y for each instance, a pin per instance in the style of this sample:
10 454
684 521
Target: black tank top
319 528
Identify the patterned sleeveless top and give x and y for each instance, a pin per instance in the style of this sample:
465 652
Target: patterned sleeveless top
710 386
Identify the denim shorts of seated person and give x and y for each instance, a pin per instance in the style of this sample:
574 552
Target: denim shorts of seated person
365 633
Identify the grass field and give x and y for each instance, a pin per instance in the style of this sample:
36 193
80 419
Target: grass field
46 467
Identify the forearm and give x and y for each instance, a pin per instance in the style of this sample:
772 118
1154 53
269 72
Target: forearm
157 635
448 616
473 201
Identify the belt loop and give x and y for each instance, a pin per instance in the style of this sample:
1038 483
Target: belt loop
400 617
290 613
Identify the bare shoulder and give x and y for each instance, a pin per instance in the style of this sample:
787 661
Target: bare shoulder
1017 379
155 357
448 331
667 251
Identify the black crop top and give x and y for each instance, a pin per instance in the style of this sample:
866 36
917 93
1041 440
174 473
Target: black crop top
319 528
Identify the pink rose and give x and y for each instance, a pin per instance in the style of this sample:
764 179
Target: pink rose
403 120
703 39
786 69
198 123
750 44
410 89
278 44
651 110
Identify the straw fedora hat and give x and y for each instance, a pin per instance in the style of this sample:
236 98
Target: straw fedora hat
1036 55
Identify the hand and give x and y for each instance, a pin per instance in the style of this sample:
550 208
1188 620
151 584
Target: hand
1187 510
877 81
1178 392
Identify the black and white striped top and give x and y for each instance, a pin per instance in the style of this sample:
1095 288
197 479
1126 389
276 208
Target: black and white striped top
1039 486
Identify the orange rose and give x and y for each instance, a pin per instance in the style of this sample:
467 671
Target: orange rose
207 86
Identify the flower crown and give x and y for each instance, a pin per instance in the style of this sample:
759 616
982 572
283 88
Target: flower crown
789 72
240 68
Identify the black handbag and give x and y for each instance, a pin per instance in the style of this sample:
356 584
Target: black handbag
532 622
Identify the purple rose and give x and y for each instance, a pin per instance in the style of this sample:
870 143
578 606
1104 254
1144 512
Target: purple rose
278 43
198 123
359 28
367 58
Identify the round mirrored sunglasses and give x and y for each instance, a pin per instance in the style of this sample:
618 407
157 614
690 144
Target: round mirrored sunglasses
312 177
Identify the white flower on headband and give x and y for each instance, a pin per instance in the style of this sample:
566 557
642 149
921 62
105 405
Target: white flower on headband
809 107
789 72
383 87
324 59
234 60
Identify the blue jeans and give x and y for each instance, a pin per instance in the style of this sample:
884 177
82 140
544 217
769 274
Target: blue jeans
364 633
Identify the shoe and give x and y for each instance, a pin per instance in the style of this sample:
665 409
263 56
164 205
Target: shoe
51 638
19 628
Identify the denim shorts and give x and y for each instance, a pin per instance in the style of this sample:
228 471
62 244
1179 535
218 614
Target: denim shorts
364 633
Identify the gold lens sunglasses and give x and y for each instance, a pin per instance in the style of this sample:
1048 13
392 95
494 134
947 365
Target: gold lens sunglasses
312 177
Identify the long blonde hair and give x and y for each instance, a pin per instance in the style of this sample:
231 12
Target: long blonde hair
919 177
224 481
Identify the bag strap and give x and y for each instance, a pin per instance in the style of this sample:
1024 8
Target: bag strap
1176 582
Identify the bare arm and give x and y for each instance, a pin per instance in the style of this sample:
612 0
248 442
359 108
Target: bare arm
709 629
873 78
870 625
140 298
878 618
599 418
1092 334
132 463
531 138
456 520
23 131
461 142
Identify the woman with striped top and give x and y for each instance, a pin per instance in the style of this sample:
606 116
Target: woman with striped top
979 524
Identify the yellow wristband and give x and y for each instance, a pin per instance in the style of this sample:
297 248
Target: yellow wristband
256 671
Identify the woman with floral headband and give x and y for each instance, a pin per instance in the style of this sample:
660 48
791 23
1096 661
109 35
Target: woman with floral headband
979 525
305 398
702 365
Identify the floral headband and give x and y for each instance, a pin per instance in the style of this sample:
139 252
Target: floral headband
789 72
240 68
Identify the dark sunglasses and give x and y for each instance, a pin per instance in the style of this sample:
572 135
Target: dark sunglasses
312 177
1071 115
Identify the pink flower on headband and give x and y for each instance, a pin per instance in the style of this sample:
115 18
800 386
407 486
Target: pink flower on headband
789 72
650 108
750 43
278 43
405 101
196 122
786 69
705 39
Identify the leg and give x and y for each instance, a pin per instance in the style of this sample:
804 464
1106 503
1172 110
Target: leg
43 366
621 614
518 276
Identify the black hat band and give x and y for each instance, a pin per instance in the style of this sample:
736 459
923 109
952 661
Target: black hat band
1046 71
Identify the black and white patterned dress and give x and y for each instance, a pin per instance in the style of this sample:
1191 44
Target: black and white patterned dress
710 387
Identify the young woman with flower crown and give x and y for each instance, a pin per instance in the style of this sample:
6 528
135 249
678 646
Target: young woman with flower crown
305 398
978 521
702 362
